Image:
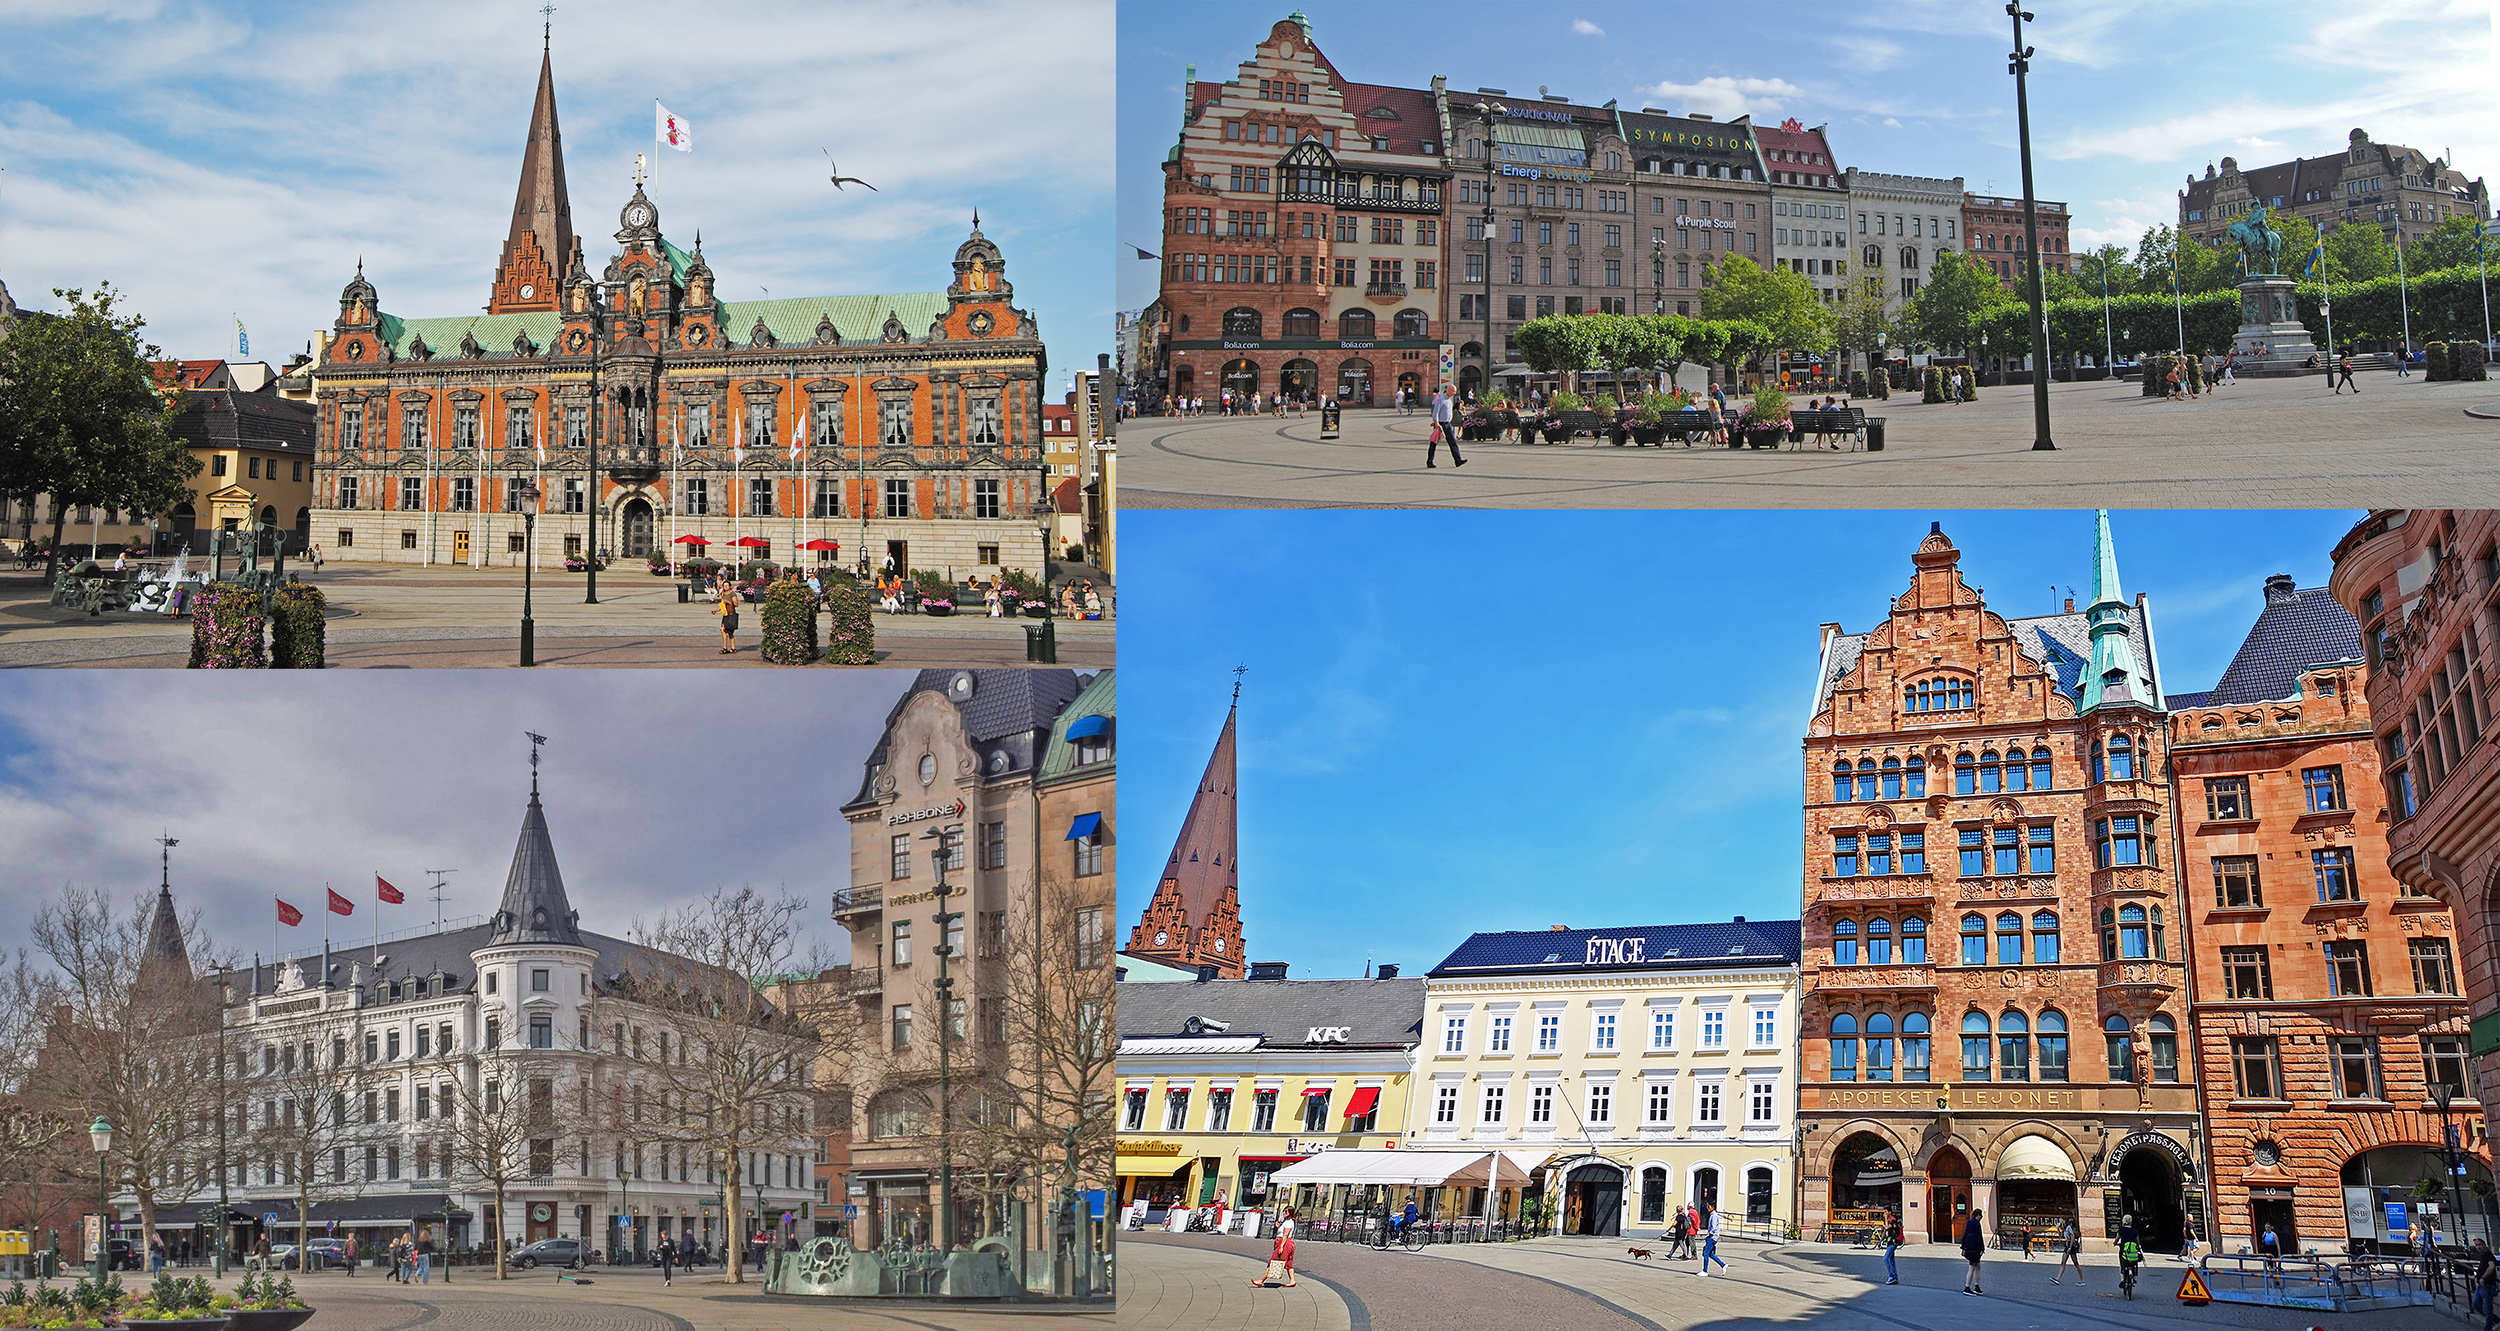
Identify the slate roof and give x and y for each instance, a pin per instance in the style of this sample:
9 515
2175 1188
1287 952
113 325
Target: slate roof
2062 643
1010 712
2299 628
1663 947
229 418
1378 1012
1415 119
422 955
535 909
860 320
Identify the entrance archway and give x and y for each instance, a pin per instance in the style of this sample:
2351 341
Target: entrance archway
1241 377
1866 1174
1948 1195
1411 384
1354 382
1471 382
1654 1195
2149 1189
1593 1201
1705 1188
637 524
1299 378
1184 382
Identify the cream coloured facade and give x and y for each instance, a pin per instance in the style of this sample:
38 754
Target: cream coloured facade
1656 1064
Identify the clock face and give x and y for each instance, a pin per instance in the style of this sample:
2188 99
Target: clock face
528 290
638 215
1162 937
1219 945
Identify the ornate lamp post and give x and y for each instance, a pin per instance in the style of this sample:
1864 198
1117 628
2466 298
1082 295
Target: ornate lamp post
2020 66
1658 274
945 986
102 1135
598 349
1485 390
529 561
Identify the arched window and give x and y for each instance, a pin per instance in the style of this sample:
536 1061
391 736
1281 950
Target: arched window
1301 323
1918 778
1909 258
898 1113
2040 769
1879 942
2017 773
1355 325
2161 946
1866 779
1843 790
1413 323
2121 1049
2044 938
1965 775
2132 939
1914 942
1914 1047
1991 773
1878 1047
1845 943
1241 321
2163 1035
1844 1041
2013 1048
1975 1041
1892 778
1758 1195
2052 1045
2109 934
1654 1195
1874 256
2100 765
2009 939
1974 940
2121 759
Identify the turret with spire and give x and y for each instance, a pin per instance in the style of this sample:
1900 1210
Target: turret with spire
535 909
1195 917
164 952
541 238
2115 677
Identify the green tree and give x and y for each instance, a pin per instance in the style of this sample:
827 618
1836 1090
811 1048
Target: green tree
2359 251
1697 340
1958 290
1783 303
83 418
1634 342
2449 245
2300 235
2059 285
1559 343
2108 264
1858 320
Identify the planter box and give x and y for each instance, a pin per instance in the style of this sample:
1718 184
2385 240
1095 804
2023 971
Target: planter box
937 607
1036 610
272 1319
199 1323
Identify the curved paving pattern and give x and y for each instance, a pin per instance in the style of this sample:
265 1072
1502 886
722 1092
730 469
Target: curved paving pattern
1177 1287
1400 1290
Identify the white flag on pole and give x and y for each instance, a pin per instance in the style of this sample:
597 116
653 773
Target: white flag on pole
798 435
673 131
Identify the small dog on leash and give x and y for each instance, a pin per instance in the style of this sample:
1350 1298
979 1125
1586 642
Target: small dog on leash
1639 1254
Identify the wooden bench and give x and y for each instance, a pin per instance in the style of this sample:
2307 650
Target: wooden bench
1849 422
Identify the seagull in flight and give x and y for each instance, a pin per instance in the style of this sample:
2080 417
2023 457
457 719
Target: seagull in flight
838 177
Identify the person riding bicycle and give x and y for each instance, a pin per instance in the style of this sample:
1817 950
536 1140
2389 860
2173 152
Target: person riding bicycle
1405 1220
2130 1251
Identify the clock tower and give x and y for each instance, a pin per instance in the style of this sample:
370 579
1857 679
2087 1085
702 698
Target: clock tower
541 239
1195 917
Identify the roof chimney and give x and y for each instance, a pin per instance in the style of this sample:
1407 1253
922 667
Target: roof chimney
1206 972
2279 590
1388 970
2070 605
1698 115
1267 970
1740 919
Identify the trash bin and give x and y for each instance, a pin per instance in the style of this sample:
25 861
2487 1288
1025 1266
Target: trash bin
682 590
1874 434
1041 642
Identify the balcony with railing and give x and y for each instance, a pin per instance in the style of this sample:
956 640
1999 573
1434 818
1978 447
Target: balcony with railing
1385 289
631 462
858 901
1356 199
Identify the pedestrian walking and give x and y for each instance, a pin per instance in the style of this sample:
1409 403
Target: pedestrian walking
1956 399
2271 1248
1974 1246
1711 1226
2486 1282
1441 432
425 1264
727 609
2069 1253
2343 369
2230 369
2026 1240
2178 378
2188 1244
1892 1244
668 1260
1279 1254
2404 362
1680 1238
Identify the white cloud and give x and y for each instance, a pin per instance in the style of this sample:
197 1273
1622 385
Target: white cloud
1890 123
1586 29
1727 97
2257 145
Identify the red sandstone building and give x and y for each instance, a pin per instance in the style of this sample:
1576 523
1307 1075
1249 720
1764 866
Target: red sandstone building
1993 236
2326 990
1194 920
1303 233
1995 977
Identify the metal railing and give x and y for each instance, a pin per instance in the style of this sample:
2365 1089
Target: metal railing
858 898
2353 1284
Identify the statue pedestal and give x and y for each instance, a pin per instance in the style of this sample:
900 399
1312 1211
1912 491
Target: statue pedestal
2272 341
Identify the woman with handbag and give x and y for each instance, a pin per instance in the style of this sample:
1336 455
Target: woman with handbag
1280 1257
727 609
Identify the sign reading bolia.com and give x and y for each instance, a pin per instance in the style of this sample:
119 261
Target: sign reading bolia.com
955 810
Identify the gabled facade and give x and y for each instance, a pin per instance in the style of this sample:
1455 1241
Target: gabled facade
1194 919
1809 203
2405 192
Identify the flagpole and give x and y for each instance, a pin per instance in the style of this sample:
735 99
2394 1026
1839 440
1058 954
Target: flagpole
2404 302
2485 270
2326 303
2109 341
2177 305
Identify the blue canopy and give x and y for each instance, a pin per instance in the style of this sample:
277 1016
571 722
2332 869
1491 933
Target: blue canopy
1087 727
1083 827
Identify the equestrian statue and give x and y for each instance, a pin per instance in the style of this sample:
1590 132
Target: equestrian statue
2260 245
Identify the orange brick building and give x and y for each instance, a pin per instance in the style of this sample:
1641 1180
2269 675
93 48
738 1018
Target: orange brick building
2326 990
1194 919
1994 978
903 427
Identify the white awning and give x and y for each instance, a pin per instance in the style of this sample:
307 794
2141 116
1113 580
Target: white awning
2034 1157
1424 1169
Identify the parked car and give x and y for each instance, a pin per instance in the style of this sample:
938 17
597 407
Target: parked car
282 1256
552 1252
121 1256
329 1252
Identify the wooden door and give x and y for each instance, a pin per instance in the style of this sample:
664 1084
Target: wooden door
460 547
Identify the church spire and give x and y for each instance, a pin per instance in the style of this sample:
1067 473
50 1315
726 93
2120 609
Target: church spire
542 215
1195 917
2115 676
535 909
164 947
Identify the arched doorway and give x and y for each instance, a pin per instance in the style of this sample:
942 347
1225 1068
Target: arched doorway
1411 384
1593 1200
303 528
1866 1174
1354 382
1241 376
1758 1186
1654 1195
1705 1186
2035 1187
2149 1190
187 525
636 520
1299 379
1184 382
269 537
1948 1195
1470 382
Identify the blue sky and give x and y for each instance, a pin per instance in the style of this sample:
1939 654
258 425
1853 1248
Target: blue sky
218 158
2128 97
1471 721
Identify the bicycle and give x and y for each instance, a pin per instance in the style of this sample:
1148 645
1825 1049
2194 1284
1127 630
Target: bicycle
2126 1278
1410 1237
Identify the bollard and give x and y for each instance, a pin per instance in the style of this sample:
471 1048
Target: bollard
681 593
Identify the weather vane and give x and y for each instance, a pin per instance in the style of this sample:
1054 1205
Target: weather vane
549 36
639 171
1238 672
536 740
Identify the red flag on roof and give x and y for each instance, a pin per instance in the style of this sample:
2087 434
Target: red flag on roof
340 905
288 915
383 889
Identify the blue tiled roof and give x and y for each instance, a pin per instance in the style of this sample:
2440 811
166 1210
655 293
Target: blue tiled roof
1662 947
2296 630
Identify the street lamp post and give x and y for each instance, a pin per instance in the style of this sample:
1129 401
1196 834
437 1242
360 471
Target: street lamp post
598 348
2020 67
225 1224
102 1135
1484 391
529 561
945 951
2441 1093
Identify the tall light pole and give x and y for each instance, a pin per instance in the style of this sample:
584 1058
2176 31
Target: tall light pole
529 562
938 856
225 1224
102 1136
598 349
1484 391
2020 67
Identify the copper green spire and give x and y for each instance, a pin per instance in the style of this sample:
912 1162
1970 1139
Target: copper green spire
2115 676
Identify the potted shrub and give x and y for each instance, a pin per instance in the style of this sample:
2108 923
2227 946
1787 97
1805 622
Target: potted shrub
937 595
268 1304
1767 418
173 1301
659 563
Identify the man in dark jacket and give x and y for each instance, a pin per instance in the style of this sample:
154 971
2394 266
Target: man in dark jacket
1974 1245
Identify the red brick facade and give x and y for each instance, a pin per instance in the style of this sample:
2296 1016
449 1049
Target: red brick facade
1956 728
1993 236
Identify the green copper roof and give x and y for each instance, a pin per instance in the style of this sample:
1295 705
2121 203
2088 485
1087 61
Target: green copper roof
858 318
2115 676
492 331
677 259
1098 698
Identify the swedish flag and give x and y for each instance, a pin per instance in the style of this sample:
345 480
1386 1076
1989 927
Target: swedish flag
2315 256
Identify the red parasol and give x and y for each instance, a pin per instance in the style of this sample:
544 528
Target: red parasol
821 543
690 539
751 540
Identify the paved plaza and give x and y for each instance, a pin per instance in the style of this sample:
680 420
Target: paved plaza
1201 1283
397 616
2261 443
631 1299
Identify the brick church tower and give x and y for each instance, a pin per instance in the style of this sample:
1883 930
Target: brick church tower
541 243
1195 917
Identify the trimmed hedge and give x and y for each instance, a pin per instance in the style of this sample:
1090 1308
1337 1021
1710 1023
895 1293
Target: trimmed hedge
789 624
1935 383
226 629
298 639
2436 364
2467 360
850 630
